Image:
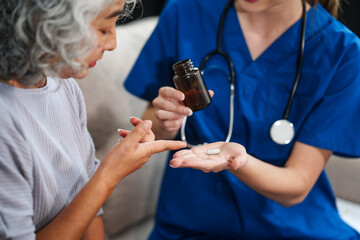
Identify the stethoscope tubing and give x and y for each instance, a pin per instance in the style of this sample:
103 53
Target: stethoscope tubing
218 51
299 63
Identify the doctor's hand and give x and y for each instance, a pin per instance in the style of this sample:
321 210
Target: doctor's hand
213 157
169 108
132 153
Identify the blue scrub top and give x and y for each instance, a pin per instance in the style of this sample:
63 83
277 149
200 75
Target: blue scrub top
325 113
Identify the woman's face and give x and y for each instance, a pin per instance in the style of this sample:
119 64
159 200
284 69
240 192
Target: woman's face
256 6
105 32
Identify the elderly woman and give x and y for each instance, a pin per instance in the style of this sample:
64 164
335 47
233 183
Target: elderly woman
51 185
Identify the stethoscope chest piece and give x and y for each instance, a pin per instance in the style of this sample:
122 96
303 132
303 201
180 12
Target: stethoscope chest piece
282 132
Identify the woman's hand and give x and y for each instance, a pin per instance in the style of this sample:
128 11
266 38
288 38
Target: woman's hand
125 157
213 157
150 136
133 152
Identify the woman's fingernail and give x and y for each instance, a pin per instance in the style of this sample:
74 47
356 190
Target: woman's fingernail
145 125
149 121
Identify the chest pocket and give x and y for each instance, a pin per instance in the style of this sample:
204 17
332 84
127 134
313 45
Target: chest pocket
262 102
264 97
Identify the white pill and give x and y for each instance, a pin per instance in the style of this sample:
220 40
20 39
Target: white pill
213 151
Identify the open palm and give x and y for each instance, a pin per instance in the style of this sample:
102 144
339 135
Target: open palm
230 156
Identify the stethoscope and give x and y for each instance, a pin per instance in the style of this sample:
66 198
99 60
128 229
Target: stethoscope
281 131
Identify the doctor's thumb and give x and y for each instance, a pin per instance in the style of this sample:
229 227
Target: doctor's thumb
211 92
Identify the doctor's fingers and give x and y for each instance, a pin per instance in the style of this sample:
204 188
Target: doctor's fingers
171 125
169 120
184 153
170 92
238 162
206 165
171 105
164 115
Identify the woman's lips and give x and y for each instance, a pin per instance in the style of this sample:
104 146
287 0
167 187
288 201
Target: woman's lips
92 64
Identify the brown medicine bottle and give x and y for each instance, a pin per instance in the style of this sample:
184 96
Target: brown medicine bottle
189 80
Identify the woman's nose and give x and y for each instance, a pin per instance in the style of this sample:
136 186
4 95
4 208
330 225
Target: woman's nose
110 43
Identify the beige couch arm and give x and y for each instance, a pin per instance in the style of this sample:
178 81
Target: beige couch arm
344 174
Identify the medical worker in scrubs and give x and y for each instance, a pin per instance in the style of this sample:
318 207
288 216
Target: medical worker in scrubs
255 187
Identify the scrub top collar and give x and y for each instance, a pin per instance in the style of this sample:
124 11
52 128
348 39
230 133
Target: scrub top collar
316 21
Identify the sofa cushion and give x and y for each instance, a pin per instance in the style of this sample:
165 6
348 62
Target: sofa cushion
344 174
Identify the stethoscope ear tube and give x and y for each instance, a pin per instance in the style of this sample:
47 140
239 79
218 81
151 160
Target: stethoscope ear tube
231 121
281 131
299 63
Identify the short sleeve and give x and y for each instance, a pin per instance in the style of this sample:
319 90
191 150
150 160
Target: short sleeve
88 144
92 163
16 202
334 122
153 67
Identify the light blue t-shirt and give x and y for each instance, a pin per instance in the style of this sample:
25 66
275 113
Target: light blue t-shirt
46 154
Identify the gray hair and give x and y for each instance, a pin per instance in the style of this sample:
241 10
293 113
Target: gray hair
35 32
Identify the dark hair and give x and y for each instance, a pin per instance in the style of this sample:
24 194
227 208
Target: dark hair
332 6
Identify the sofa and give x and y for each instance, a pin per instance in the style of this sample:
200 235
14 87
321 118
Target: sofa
129 212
